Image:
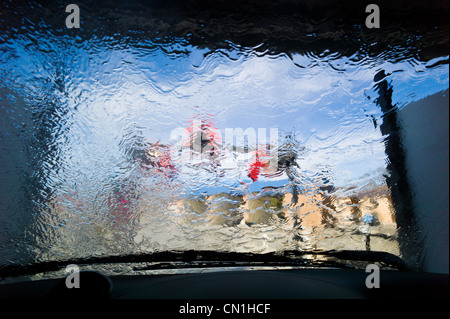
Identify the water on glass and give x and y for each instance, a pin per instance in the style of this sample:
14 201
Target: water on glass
114 145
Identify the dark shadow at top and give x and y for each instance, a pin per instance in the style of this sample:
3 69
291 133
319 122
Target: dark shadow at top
416 29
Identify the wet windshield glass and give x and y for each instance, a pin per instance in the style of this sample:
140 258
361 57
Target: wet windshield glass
135 135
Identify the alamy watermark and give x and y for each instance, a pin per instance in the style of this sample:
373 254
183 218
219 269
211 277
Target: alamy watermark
73 19
73 279
373 280
232 146
373 19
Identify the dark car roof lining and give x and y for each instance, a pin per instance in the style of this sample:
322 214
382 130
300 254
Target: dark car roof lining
419 28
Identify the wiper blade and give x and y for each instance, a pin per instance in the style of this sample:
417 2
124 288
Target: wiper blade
205 258
381 257
199 259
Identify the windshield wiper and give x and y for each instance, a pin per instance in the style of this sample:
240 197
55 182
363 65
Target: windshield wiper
205 258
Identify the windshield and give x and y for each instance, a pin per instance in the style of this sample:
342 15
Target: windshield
155 129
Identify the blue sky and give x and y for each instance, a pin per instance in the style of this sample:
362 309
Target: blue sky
149 91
